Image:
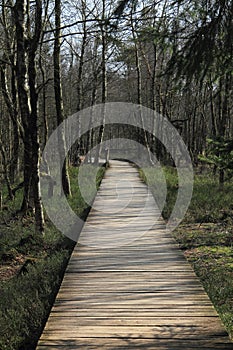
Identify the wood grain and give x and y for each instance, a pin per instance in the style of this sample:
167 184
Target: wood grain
127 285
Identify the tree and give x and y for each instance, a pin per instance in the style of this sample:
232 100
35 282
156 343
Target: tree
146 53
103 31
209 42
219 153
28 99
33 119
8 84
58 96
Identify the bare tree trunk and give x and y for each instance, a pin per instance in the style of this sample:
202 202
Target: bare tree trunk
5 172
33 121
44 116
79 144
28 102
104 86
21 72
153 78
10 97
225 85
58 96
90 136
142 132
12 110
81 60
213 119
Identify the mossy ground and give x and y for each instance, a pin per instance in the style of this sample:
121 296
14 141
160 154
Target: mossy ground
206 235
31 270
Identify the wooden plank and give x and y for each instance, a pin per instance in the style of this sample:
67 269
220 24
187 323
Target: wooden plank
89 343
130 288
71 330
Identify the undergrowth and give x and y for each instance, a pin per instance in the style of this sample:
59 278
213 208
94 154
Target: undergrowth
205 235
31 270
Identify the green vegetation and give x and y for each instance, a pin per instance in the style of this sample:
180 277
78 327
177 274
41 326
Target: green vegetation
155 182
219 154
31 271
89 186
206 236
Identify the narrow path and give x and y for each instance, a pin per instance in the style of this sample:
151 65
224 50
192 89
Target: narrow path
127 285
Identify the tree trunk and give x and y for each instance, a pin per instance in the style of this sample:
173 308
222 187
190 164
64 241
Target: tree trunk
104 87
12 110
24 105
225 105
5 172
28 102
33 121
58 96
77 147
81 63
44 116
90 135
212 111
143 135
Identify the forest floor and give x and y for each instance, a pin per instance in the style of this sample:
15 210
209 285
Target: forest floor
206 236
31 270
32 267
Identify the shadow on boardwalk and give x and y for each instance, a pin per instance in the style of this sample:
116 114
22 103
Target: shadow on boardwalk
130 288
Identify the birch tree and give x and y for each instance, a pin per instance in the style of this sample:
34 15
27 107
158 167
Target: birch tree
58 96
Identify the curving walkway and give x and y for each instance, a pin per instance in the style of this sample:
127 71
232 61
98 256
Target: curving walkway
127 285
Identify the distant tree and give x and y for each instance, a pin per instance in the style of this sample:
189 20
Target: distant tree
219 153
104 91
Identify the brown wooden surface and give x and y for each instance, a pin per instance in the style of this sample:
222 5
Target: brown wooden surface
130 288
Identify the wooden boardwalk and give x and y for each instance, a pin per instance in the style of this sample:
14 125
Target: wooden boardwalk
127 287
